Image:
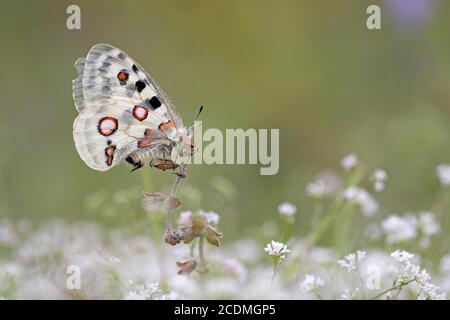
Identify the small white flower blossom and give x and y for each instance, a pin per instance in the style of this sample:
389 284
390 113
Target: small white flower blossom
349 161
114 259
287 209
379 179
185 218
445 264
401 256
211 217
428 224
399 228
349 295
350 261
369 206
143 291
311 283
317 189
277 250
443 173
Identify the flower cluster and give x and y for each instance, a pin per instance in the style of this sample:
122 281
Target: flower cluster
351 261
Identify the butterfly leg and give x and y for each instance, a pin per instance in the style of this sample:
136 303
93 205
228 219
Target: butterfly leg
136 164
180 174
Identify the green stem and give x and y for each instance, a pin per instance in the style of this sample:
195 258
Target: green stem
275 270
201 253
397 287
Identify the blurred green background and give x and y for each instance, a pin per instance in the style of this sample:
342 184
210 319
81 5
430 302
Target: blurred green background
310 68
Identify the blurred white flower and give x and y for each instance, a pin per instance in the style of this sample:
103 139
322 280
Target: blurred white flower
445 264
237 269
311 283
349 295
350 261
143 291
211 217
114 259
349 161
414 273
317 189
287 209
379 178
185 218
369 206
276 249
443 173
401 256
399 228
428 224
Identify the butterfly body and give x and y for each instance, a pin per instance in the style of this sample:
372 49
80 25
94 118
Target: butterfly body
124 114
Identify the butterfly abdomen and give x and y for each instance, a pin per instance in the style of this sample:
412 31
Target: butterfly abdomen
140 157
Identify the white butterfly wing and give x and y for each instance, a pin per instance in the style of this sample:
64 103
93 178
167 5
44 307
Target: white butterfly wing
122 110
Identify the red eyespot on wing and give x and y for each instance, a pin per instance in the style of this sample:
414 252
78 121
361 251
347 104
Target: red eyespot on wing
109 161
166 125
107 126
109 153
140 113
122 76
149 133
143 143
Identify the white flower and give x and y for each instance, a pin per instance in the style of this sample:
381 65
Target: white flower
237 269
185 218
401 256
287 209
428 224
114 259
276 249
380 175
311 283
369 206
349 295
211 217
379 179
412 272
143 291
399 228
445 264
443 173
350 261
349 161
317 189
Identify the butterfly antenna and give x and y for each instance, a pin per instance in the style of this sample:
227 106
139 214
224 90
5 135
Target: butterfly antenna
195 118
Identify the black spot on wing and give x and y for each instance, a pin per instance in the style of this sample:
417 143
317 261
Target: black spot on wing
135 69
140 85
154 102
121 56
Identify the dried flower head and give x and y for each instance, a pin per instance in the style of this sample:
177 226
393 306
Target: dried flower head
200 227
158 201
185 267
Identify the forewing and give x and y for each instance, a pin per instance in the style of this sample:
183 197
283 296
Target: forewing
121 108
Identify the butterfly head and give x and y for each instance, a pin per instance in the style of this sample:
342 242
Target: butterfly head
183 145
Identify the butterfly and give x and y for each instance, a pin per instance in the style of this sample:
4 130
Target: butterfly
125 115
